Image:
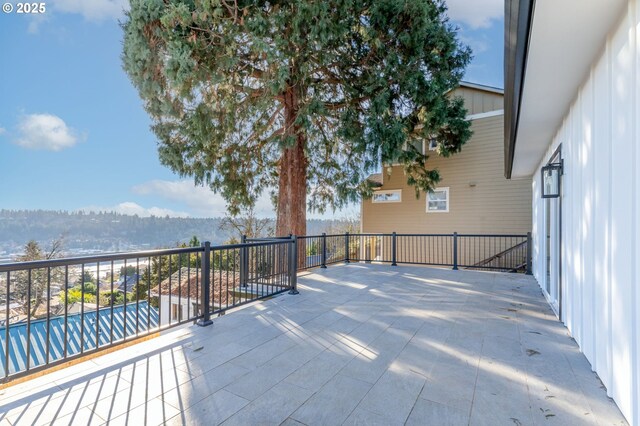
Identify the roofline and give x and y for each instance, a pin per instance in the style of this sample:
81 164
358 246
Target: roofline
482 87
518 19
488 114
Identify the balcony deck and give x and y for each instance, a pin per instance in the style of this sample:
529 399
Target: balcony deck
361 344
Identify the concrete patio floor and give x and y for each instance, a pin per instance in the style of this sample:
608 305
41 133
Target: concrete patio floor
361 344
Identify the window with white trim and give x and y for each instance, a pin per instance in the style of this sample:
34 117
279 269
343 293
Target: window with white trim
438 200
418 145
433 144
393 196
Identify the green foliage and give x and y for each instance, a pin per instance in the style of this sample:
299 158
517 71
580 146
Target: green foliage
90 288
36 280
87 277
74 295
367 78
162 267
313 248
194 242
108 298
127 271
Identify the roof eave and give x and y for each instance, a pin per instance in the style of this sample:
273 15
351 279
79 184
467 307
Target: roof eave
518 18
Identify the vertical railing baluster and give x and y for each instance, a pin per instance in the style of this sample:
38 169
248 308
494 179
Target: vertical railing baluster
346 247
293 269
28 365
148 329
97 305
179 287
124 310
160 290
206 259
47 344
455 251
529 259
66 309
7 354
394 248
112 301
170 312
136 294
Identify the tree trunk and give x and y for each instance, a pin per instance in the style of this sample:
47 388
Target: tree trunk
292 190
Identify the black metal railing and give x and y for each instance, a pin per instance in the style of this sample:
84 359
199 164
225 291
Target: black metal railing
470 251
55 310
60 309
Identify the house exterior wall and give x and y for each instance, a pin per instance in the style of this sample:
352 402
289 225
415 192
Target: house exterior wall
600 252
478 101
494 205
166 308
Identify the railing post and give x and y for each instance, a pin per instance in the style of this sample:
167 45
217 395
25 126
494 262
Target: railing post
529 272
324 250
293 265
244 263
455 251
206 274
346 247
394 248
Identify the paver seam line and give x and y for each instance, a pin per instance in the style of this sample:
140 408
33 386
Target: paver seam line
343 335
284 378
387 369
526 364
313 393
194 377
416 400
181 413
475 384
292 419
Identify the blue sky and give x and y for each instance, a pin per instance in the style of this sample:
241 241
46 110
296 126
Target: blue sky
74 135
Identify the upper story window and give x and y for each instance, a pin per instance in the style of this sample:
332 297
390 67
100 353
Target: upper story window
438 200
394 196
433 144
418 145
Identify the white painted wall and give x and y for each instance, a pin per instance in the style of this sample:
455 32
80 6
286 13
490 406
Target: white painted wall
166 309
601 215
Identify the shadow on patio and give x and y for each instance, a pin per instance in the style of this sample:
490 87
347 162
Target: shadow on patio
361 344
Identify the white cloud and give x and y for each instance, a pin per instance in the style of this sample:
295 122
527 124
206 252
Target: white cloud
200 200
476 13
92 10
35 20
477 44
2 130
45 131
131 208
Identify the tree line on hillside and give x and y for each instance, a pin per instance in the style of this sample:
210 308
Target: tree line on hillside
111 231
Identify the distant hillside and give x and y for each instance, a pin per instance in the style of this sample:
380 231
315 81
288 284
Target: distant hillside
109 231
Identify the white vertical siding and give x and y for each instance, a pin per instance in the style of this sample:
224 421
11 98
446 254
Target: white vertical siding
600 215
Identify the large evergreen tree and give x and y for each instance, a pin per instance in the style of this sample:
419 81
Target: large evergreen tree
299 97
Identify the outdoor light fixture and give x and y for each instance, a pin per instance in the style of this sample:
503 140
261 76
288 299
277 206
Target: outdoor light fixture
551 180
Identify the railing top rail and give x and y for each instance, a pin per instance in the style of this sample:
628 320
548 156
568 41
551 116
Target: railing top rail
494 235
252 244
65 261
260 239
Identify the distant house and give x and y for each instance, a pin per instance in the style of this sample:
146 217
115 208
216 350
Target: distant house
180 295
140 318
126 283
572 90
473 195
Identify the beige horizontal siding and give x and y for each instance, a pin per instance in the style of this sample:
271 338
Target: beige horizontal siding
477 101
494 205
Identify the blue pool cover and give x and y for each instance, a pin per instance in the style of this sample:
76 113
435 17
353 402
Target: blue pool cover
140 317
